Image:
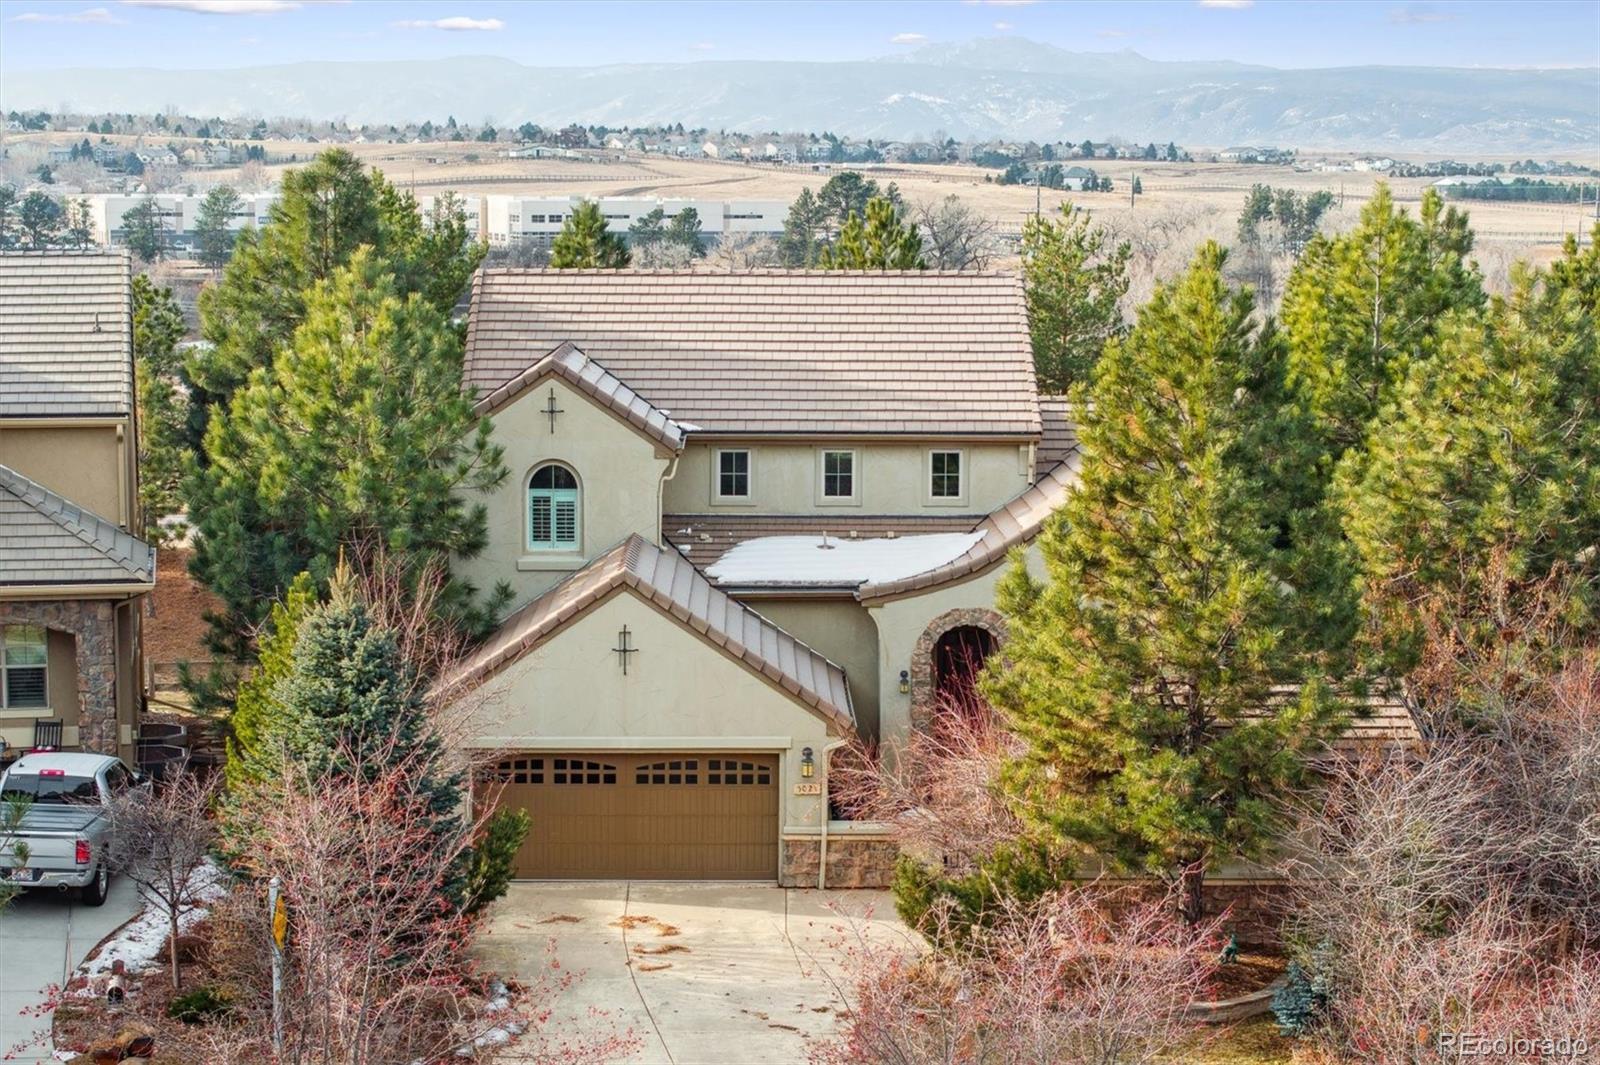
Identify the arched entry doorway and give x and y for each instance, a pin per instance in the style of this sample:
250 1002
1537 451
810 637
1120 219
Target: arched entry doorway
958 658
948 656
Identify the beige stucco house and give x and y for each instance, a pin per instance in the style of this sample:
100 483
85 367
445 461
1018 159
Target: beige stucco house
749 516
73 570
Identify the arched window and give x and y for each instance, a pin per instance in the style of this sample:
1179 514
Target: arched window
552 509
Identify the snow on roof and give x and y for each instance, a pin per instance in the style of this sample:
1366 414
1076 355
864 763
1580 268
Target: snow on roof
827 561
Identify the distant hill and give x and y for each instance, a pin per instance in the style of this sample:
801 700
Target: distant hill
997 87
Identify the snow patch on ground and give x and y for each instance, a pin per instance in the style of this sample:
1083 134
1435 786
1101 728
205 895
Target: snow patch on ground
138 943
804 559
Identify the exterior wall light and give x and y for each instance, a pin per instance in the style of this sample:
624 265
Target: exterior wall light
905 681
808 765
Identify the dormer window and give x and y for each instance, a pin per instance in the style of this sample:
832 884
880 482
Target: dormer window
553 512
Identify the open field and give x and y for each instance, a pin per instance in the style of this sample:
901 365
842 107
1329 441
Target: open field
1182 203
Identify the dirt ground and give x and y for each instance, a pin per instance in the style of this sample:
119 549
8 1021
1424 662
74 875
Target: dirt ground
174 623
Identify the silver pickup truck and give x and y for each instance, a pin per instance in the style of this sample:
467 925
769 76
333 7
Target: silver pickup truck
66 824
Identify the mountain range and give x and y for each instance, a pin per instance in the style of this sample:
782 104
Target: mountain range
996 87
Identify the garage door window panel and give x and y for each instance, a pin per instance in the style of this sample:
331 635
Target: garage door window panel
578 771
673 771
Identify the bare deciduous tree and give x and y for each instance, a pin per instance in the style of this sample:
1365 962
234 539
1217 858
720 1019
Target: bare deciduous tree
744 251
939 789
1082 975
954 235
161 840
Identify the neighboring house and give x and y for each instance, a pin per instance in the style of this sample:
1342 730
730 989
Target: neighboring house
749 516
73 571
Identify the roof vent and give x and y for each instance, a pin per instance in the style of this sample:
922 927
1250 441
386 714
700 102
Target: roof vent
891 535
825 545
97 321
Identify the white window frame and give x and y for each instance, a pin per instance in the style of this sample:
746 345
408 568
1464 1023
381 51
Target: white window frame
963 477
823 498
749 498
43 708
554 547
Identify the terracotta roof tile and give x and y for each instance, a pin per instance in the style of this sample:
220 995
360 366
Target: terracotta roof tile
1060 437
777 351
589 377
668 581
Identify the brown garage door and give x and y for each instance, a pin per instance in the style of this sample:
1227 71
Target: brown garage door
646 816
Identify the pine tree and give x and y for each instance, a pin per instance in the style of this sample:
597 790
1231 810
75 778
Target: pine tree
1144 674
1361 308
325 212
585 243
880 242
257 708
39 218
1492 444
359 431
212 227
158 326
803 232
1075 277
685 231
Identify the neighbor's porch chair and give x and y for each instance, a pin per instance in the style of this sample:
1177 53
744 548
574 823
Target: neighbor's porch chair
47 733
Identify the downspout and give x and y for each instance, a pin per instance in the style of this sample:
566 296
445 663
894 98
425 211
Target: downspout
661 496
822 846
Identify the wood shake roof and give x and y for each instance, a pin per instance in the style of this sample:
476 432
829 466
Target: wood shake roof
47 540
66 334
669 582
780 352
594 380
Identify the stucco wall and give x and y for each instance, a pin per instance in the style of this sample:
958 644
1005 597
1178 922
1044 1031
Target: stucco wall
86 464
892 478
619 475
680 693
901 623
842 630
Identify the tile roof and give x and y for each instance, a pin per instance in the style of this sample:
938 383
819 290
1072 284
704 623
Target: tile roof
594 380
704 538
66 334
45 540
666 580
783 352
1060 437
1018 522
1383 719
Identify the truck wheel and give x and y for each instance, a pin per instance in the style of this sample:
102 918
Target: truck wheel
94 892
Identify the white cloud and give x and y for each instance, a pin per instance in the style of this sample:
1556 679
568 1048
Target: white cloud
95 15
455 24
220 7
1003 26
701 46
909 38
1233 5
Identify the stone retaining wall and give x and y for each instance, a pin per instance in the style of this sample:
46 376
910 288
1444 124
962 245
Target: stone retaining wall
853 861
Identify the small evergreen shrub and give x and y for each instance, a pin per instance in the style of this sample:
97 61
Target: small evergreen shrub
200 1006
493 859
1018 873
1301 1002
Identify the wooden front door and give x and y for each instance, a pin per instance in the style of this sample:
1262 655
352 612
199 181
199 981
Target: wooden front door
674 816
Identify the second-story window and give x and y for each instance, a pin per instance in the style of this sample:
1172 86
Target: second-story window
945 474
838 474
733 474
552 509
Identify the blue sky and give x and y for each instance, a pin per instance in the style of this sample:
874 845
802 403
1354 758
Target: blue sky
226 33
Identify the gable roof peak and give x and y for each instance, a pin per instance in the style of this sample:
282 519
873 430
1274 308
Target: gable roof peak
568 362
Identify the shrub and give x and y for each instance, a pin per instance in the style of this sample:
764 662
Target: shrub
1299 1003
200 1006
1014 874
493 861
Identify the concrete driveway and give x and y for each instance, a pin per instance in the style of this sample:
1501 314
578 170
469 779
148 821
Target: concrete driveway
43 937
698 972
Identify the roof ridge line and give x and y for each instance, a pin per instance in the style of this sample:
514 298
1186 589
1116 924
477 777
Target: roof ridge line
61 515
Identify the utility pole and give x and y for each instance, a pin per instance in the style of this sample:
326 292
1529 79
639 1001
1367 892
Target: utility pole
1038 193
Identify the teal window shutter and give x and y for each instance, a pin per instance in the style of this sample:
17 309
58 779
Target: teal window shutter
553 509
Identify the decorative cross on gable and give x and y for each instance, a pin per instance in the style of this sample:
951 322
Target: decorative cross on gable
624 648
551 409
